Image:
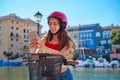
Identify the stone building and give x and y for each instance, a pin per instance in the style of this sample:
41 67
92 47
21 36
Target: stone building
14 34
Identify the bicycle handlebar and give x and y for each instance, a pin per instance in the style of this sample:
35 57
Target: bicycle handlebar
65 61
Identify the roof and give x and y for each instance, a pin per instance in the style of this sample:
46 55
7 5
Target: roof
14 16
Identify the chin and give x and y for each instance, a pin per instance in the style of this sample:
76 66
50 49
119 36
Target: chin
53 32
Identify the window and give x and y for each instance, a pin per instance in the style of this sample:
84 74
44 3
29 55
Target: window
80 43
4 52
91 42
17 35
80 36
17 28
24 31
97 34
28 37
11 34
16 39
11 45
83 35
24 36
25 47
12 27
17 22
106 34
90 35
103 42
87 34
109 33
11 39
16 45
26 40
118 50
12 21
27 31
109 41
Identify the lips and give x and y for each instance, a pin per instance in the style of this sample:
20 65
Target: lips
52 30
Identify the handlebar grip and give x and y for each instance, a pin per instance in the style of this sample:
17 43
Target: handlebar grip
67 62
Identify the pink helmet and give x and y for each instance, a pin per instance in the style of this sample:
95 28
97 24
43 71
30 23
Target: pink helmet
59 15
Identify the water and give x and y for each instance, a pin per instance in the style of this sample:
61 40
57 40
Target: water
21 73
13 73
96 73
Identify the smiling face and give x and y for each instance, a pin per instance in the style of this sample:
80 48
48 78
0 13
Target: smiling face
54 25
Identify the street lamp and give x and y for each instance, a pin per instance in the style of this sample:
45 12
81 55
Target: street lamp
38 17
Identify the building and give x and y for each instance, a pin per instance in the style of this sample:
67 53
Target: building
14 34
102 41
115 54
83 35
92 39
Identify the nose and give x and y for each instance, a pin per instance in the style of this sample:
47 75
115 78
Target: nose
51 26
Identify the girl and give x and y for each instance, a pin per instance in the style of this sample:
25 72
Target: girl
56 41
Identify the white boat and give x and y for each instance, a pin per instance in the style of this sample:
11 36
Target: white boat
114 63
87 63
101 62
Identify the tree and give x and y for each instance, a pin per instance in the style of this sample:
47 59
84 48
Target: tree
8 55
11 56
106 56
76 56
115 37
15 56
107 46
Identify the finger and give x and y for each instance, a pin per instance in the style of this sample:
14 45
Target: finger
33 40
39 41
38 38
33 44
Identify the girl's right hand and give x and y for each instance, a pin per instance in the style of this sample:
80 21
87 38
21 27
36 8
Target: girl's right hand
33 43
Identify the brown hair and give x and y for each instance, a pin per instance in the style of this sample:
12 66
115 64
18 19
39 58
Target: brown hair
63 37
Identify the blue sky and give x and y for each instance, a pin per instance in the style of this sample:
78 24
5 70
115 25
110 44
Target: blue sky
78 12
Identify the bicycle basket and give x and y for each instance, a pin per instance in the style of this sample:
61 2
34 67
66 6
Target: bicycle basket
44 66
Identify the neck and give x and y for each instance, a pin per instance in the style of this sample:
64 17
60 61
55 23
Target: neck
55 37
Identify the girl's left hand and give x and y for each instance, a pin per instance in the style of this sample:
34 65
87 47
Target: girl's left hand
41 45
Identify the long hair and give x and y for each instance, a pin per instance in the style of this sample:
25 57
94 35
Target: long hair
63 37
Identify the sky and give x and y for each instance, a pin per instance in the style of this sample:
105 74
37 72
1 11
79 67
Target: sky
104 12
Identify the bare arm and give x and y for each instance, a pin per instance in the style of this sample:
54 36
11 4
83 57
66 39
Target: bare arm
65 51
